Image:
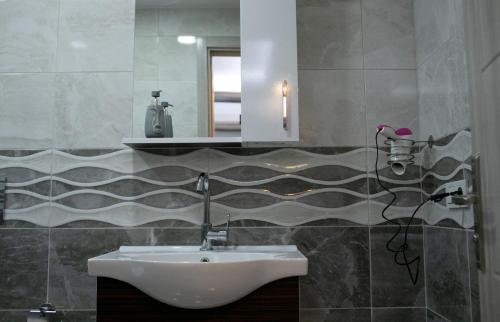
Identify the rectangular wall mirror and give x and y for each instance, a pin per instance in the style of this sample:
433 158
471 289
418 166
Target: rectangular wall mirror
190 50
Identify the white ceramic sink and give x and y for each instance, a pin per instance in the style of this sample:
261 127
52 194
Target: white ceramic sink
177 275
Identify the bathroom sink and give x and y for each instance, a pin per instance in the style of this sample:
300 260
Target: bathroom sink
184 276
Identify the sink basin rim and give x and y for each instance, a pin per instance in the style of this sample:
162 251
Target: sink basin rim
153 275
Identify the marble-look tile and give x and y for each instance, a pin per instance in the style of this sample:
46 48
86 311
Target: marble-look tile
391 283
199 22
23 268
176 61
146 22
28 34
339 273
26 111
487 15
93 110
443 92
146 58
176 236
289 187
78 316
391 98
261 236
434 25
474 279
70 286
395 314
334 315
247 200
389 35
329 34
447 273
332 111
433 317
13 316
63 316
96 35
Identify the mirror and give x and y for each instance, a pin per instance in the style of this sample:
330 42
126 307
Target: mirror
190 51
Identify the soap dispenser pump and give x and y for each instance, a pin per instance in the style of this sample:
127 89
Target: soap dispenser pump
154 126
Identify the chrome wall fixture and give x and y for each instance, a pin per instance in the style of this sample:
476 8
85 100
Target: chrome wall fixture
284 90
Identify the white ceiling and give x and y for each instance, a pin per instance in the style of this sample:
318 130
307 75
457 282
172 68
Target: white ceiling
187 4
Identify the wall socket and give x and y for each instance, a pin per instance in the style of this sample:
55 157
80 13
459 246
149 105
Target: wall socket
454 186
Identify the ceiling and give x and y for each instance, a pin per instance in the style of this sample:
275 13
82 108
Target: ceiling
187 4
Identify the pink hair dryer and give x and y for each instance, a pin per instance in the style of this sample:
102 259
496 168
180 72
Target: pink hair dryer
401 143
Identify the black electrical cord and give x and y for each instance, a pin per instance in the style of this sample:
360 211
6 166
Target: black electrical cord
401 249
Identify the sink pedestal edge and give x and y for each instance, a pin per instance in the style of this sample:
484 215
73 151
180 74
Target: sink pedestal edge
119 301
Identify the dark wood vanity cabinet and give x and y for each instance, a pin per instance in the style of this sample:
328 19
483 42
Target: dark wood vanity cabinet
275 302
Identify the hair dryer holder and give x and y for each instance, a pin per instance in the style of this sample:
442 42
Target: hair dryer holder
400 155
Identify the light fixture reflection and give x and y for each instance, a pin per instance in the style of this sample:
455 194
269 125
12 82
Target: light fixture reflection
186 40
284 90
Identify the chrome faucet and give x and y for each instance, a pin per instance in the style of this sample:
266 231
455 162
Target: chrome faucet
208 234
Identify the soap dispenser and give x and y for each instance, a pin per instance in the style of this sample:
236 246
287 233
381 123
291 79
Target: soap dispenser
154 126
169 130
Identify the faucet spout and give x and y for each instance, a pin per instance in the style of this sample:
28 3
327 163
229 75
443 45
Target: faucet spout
202 186
208 235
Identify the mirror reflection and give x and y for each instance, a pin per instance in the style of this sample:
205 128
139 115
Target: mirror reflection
187 68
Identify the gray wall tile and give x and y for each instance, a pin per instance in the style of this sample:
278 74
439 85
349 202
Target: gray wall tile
23 268
93 110
397 314
389 35
433 317
70 286
329 34
334 315
447 273
443 92
474 279
391 283
391 98
13 316
62 316
434 25
28 34
339 269
26 109
332 111
339 273
96 35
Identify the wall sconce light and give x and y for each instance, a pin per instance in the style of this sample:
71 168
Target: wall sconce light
284 90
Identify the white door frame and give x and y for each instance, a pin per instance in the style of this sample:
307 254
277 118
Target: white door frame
481 31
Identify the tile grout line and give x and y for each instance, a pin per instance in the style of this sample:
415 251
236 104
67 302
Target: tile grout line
365 107
424 248
49 242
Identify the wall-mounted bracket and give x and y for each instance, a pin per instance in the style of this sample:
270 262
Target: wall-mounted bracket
430 141
478 237
3 188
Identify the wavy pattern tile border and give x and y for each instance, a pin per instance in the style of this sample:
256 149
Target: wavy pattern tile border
118 166
437 172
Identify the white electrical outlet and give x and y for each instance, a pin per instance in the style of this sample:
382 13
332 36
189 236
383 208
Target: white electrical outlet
454 186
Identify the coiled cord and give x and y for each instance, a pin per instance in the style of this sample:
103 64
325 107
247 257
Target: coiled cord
402 248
